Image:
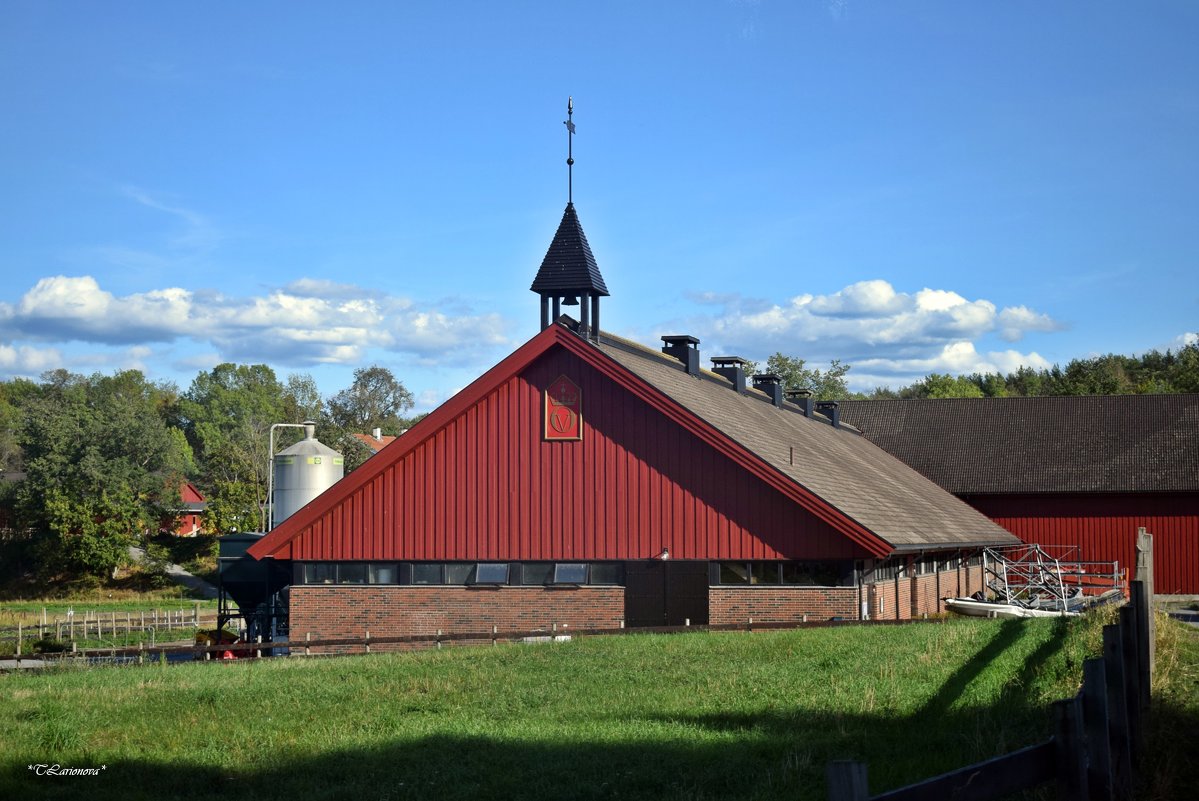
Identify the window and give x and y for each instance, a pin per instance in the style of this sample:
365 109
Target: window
607 573
426 573
457 573
385 573
491 573
734 573
813 574
764 573
570 573
351 573
536 573
318 574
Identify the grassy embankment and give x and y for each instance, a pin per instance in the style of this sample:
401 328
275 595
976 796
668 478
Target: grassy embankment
687 716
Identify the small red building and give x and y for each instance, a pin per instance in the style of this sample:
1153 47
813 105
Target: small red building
190 520
588 481
1078 474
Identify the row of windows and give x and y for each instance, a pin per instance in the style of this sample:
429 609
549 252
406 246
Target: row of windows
461 573
924 564
835 573
799 574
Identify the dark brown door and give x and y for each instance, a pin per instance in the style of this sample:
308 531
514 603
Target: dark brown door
666 593
686 593
645 593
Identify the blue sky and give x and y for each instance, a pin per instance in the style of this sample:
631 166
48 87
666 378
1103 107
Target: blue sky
907 186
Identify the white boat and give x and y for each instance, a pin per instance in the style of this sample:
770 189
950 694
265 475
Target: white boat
973 608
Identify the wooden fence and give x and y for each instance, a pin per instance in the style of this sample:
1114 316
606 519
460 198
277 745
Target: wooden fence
1097 734
342 646
98 625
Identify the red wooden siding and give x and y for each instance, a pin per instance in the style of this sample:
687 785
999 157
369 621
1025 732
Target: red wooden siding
1104 528
486 486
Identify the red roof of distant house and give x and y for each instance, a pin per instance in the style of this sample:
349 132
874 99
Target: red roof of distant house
376 444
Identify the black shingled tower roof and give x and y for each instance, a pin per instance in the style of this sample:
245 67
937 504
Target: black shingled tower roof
568 266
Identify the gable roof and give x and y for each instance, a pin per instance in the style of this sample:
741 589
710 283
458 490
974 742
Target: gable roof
569 265
1112 443
859 489
843 469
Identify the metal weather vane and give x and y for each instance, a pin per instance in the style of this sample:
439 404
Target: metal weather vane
570 161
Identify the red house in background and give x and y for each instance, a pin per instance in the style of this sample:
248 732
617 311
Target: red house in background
1078 473
192 504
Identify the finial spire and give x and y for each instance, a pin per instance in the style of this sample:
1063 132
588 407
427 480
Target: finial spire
570 161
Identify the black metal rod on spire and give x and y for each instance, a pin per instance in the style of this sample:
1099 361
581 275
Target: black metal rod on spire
570 160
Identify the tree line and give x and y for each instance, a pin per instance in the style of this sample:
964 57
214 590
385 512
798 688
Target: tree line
1154 373
91 463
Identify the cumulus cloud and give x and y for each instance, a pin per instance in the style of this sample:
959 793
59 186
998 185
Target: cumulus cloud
307 322
882 332
1015 321
27 361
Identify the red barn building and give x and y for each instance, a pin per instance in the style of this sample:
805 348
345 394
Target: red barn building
587 481
190 520
1081 474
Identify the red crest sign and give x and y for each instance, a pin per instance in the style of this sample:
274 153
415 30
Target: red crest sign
563 410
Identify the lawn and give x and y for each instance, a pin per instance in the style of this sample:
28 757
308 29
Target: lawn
703 715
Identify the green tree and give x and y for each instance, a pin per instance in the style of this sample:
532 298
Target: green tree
101 468
374 400
13 395
829 384
229 411
943 385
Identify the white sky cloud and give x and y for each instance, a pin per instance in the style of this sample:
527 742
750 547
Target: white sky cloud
306 323
889 337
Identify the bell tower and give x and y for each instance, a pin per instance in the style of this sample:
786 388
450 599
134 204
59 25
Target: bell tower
569 275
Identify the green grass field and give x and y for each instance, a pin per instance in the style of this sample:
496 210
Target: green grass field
734 715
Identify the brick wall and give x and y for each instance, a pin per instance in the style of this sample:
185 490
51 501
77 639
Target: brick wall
351 611
780 604
925 588
914 596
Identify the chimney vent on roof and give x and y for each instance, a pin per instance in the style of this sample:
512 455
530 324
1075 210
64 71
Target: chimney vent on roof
732 368
831 410
684 348
772 385
377 433
801 397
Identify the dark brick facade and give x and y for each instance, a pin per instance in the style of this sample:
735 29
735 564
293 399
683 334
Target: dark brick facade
781 604
391 611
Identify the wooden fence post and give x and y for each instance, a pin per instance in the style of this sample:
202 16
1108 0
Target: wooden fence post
1145 576
368 641
1095 718
1132 676
1117 710
1144 613
1070 750
307 639
846 780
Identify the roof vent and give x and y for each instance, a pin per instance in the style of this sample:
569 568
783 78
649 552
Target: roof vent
772 385
831 410
801 397
684 348
732 368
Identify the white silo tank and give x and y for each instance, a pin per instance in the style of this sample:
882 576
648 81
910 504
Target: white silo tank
302 472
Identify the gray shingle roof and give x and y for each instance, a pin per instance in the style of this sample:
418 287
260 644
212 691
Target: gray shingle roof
1112 443
839 466
568 265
